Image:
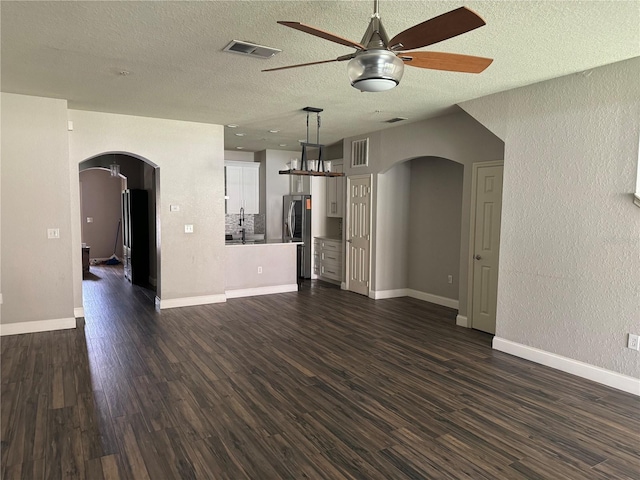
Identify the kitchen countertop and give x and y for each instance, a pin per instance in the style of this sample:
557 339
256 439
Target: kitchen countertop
250 243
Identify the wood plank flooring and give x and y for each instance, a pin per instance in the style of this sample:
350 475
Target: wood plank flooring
319 384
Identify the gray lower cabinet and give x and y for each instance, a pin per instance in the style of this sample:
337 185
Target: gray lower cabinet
328 259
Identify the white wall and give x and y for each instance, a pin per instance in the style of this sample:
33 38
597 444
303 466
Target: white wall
570 243
36 272
191 168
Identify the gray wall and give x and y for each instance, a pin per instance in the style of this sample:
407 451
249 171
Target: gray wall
36 272
570 242
457 137
101 200
393 227
435 222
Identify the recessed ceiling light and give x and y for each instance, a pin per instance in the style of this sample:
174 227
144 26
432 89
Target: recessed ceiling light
240 148
232 125
274 131
283 144
240 134
124 73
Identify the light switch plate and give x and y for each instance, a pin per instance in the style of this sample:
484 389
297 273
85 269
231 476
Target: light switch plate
53 233
188 229
174 208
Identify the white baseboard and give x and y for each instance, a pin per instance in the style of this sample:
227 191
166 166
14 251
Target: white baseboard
462 321
37 326
343 285
382 294
408 292
568 365
251 292
437 299
78 312
153 281
189 301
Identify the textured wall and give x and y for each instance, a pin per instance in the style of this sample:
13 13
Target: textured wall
392 229
458 137
570 243
36 271
191 160
435 226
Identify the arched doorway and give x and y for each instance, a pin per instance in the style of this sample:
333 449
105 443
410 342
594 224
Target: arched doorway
106 220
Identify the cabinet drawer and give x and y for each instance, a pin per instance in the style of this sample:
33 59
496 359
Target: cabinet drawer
330 272
331 256
329 245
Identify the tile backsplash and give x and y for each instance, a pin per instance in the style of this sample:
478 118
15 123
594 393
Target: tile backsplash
252 223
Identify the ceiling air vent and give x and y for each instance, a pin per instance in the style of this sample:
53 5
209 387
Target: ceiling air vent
360 153
396 119
251 49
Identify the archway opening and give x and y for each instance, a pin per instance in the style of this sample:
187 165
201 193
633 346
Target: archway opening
118 226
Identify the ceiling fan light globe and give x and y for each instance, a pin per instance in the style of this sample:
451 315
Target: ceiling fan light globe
375 70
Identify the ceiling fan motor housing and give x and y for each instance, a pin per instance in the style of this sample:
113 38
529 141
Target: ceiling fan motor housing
375 70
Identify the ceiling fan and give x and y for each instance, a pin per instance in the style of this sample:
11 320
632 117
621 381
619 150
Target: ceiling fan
378 62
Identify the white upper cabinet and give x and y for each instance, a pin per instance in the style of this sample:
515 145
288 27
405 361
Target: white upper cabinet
242 186
335 191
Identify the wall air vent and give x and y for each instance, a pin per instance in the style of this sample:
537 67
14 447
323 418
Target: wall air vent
251 49
396 119
360 153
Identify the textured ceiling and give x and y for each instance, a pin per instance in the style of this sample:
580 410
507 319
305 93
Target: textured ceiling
173 53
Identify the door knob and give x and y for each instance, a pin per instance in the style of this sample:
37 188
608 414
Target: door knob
478 257
349 241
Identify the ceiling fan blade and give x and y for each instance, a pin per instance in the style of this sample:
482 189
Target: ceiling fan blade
322 34
437 29
339 59
451 62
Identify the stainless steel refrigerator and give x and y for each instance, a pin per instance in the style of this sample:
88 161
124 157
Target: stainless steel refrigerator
296 227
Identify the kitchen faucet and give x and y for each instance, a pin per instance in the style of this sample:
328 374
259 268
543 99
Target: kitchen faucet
243 229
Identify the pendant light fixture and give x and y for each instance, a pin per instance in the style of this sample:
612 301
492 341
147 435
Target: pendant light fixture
312 167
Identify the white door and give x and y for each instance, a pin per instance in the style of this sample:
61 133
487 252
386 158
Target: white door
488 207
359 234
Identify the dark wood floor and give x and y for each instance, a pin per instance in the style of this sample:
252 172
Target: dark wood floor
317 384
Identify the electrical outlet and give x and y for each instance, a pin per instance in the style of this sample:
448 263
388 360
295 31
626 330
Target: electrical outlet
449 278
174 208
259 270
89 219
188 229
53 233
633 342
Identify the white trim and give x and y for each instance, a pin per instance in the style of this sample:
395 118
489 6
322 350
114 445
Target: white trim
437 299
251 292
636 199
382 294
408 292
189 301
0 299
343 285
37 326
462 321
568 365
78 312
